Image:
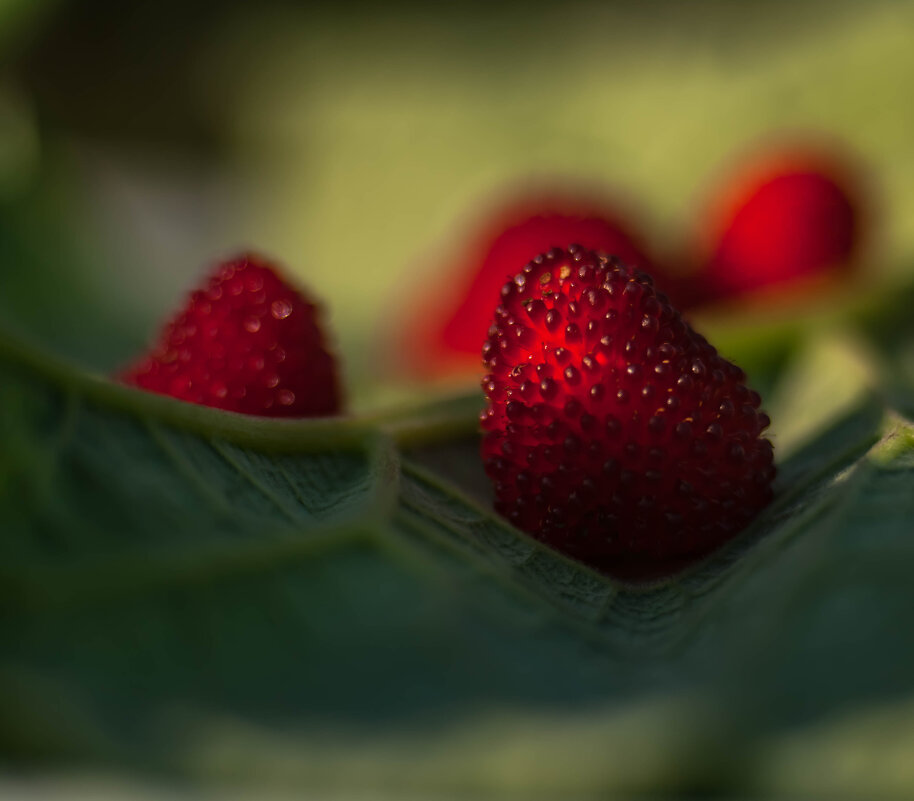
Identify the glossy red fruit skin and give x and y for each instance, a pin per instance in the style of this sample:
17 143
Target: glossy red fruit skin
449 331
613 430
246 342
785 217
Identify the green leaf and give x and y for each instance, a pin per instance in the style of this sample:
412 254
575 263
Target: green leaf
330 606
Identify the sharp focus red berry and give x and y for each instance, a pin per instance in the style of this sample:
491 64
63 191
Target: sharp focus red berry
246 342
612 429
452 327
791 215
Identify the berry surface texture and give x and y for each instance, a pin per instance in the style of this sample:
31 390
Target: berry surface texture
449 327
517 244
246 342
613 430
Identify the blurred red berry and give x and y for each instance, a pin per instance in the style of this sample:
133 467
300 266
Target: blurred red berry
246 341
451 325
789 215
613 430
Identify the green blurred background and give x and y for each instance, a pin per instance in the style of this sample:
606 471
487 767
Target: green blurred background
357 142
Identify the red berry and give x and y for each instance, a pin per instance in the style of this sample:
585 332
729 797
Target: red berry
452 327
791 215
246 342
613 430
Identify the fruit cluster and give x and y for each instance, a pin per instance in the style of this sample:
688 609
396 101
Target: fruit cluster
784 217
613 430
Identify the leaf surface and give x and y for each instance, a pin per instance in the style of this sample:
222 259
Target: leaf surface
331 606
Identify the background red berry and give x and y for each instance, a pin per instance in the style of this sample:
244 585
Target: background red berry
612 428
246 342
784 216
451 327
